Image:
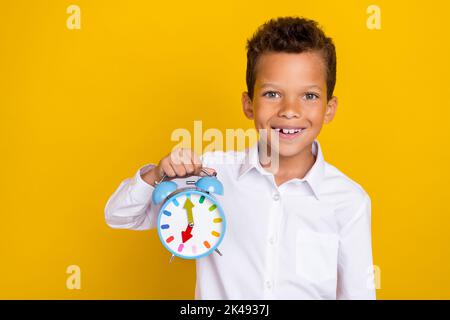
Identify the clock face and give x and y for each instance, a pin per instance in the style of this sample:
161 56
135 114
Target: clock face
191 224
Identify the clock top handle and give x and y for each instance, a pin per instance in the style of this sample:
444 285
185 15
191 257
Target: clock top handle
164 177
163 188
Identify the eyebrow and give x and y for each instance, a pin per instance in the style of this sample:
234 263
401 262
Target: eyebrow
268 84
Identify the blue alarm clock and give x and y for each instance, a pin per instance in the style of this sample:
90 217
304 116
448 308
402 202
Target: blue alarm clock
191 223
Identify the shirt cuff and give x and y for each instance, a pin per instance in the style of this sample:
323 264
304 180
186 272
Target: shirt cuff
140 190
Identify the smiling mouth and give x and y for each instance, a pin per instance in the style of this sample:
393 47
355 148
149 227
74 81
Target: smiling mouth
289 133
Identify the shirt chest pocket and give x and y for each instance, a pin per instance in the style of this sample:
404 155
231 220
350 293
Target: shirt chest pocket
316 255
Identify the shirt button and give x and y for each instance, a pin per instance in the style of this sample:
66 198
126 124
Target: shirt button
276 197
272 240
269 284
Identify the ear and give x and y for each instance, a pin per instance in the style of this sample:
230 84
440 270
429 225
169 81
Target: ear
331 109
247 106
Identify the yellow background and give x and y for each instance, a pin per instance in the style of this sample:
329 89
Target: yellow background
81 110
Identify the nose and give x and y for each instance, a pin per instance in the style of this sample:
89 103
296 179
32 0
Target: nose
290 109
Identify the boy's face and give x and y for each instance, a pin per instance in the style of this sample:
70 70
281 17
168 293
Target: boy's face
290 93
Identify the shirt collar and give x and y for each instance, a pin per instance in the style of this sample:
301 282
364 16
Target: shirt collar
313 177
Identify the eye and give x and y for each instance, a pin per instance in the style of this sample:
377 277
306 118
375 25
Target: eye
311 96
271 94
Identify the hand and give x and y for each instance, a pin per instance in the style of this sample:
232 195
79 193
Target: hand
180 163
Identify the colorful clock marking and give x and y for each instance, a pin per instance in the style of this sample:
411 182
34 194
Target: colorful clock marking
215 233
196 222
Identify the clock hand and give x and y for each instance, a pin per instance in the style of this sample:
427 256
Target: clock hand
186 235
188 205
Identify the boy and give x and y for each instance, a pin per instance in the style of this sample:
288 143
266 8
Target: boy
302 231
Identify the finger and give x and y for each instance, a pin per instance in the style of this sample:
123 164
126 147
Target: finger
187 162
197 163
196 159
168 170
175 156
210 171
192 162
179 170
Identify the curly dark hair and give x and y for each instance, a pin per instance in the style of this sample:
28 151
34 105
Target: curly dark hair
292 35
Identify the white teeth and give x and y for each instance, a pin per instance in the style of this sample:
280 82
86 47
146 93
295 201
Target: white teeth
288 131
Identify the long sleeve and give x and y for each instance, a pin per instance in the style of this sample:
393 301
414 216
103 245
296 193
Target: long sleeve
355 265
130 207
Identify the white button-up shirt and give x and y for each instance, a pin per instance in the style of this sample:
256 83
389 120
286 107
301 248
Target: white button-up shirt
307 238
